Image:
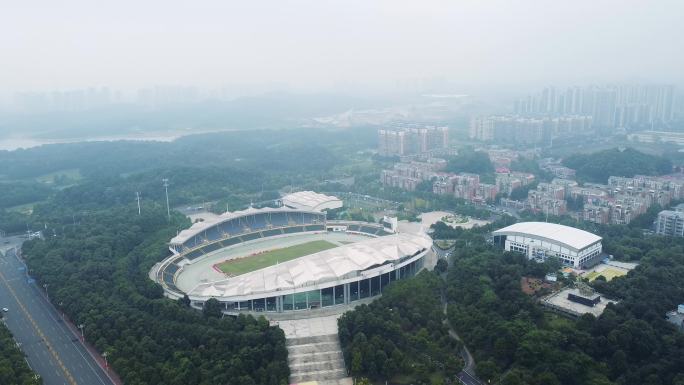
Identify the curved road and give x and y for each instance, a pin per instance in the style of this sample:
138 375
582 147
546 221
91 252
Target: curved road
467 375
52 349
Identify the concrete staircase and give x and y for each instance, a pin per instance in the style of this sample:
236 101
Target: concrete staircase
316 358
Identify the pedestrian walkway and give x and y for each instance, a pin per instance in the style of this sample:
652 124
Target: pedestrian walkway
314 351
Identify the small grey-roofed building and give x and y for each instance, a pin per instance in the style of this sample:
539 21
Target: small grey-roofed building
676 317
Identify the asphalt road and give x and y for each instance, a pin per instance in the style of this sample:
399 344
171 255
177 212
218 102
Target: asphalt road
467 375
51 348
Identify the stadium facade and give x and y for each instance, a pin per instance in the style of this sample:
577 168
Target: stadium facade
338 276
540 240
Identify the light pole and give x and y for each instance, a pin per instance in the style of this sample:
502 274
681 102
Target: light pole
105 354
166 189
81 326
47 295
61 308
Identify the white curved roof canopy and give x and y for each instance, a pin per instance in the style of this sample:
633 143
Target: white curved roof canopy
328 265
569 236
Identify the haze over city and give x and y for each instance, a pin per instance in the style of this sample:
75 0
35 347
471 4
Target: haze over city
342 193
353 46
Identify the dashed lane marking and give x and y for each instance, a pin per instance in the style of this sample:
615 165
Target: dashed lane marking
68 375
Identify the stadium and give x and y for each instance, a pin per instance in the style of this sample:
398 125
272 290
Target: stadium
540 240
289 258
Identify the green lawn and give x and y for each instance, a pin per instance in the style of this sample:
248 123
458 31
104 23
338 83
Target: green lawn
26 208
608 273
245 265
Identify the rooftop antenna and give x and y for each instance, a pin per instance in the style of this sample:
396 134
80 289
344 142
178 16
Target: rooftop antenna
166 188
137 197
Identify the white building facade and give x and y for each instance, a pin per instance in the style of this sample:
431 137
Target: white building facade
539 241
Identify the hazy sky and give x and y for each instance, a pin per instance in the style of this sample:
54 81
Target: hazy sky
317 45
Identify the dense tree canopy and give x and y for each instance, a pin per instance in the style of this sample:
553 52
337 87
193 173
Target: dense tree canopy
597 167
402 333
472 161
97 269
516 342
18 193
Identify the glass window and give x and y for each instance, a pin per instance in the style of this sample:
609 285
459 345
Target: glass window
364 289
393 276
354 291
384 281
300 301
259 304
375 285
271 304
246 305
327 296
288 302
314 299
339 294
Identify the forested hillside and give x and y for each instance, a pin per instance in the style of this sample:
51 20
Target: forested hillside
516 342
96 268
401 335
597 167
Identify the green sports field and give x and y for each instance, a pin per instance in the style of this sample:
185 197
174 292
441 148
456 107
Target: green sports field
608 273
245 265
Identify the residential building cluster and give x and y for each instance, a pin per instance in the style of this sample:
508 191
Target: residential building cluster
527 130
407 175
502 158
407 139
413 170
559 171
617 202
615 106
506 182
465 186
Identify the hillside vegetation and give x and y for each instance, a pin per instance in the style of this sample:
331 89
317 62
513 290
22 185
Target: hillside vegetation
597 167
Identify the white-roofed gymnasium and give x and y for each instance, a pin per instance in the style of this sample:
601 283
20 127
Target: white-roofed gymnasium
540 240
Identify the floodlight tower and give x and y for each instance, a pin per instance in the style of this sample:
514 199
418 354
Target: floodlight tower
166 188
137 197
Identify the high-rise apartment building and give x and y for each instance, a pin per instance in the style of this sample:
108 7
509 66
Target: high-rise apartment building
526 130
615 106
407 139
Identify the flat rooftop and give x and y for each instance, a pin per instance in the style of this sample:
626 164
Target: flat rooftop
560 300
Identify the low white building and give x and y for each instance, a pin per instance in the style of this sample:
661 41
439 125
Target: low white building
312 201
540 240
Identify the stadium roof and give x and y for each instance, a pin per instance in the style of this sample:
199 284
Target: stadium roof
198 227
328 265
569 236
310 200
